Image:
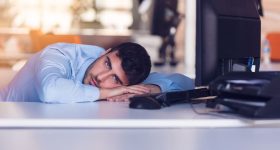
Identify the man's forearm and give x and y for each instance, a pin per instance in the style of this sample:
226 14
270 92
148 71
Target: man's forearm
125 97
105 93
133 89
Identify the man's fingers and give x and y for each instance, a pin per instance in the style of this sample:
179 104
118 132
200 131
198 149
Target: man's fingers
141 87
137 89
144 88
120 98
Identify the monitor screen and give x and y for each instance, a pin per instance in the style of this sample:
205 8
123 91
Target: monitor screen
227 38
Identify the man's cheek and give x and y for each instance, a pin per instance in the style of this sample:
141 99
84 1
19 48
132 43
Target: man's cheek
108 85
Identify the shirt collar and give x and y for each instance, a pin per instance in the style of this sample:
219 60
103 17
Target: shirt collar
83 69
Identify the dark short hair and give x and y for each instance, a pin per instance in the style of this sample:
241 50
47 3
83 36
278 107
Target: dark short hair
136 62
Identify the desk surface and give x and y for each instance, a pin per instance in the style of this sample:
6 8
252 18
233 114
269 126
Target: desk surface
36 126
141 139
96 110
116 115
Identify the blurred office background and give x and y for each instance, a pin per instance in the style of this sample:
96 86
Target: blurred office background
26 26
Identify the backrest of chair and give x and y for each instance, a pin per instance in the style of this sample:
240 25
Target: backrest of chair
48 39
40 40
274 42
34 37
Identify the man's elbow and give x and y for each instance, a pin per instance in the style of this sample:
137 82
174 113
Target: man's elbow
183 82
48 95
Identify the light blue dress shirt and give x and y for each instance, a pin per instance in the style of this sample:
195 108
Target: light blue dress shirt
55 74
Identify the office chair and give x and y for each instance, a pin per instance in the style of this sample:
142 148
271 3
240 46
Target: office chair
274 43
40 40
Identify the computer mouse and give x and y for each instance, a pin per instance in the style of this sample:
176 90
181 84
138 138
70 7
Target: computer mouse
144 102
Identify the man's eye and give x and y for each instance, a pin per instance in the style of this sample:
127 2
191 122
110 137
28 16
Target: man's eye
108 66
115 78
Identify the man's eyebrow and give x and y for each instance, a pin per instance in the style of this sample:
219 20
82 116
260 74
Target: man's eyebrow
109 61
110 64
119 80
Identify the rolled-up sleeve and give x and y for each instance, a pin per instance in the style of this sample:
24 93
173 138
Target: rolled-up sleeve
170 82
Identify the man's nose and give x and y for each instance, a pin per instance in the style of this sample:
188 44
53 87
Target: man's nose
103 75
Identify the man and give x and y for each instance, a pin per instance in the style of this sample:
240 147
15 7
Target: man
65 73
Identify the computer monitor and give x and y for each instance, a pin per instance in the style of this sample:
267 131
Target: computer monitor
227 38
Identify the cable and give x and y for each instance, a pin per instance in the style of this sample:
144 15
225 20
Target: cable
211 113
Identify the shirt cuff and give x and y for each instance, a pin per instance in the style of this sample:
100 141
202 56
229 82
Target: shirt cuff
92 93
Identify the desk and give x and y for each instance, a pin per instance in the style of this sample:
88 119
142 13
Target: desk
198 132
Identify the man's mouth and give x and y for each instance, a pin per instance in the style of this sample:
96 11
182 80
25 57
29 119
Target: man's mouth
93 82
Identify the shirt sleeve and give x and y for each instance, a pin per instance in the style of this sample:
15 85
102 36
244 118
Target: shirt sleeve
170 82
54 76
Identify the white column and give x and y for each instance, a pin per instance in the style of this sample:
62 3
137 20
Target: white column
190 37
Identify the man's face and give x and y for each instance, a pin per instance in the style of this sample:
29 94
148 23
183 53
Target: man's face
106 72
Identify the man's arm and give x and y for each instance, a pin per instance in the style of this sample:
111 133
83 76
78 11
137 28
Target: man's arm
56 73
121 90
170 82
160 82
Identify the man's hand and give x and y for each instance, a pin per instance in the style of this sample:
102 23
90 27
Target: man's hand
121 98
125 97
134 89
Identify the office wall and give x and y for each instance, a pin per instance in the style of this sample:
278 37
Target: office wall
271 19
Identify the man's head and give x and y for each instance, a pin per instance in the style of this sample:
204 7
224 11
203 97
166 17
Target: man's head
125 64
